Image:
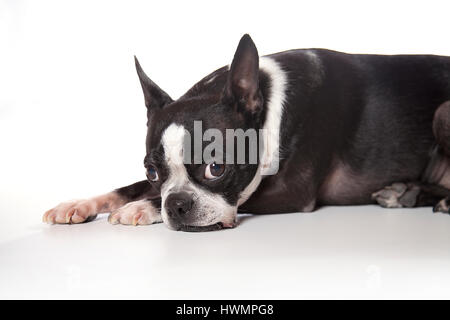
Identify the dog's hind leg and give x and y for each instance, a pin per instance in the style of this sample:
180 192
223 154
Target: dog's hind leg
434 189
441 127
79 211
441 130
413 194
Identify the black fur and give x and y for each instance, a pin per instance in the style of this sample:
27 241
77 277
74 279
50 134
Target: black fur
365 121
138 190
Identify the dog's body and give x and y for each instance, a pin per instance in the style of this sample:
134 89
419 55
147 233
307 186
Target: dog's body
353 129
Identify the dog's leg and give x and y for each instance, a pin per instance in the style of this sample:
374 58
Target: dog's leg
139 212
434 190
408 195
85 210
441 127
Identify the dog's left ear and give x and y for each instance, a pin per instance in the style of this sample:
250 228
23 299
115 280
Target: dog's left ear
155 97
243 79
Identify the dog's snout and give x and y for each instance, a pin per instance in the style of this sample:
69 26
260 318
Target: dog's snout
178 204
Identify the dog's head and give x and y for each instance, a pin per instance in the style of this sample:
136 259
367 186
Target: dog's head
202 186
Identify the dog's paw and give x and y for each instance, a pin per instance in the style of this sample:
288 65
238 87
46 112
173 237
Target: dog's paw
397 195
135 213
443 206
76 211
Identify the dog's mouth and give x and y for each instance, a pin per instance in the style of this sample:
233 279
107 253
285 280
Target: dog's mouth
212 227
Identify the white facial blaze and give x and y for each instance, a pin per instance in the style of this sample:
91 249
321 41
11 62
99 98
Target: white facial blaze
172 140
209 208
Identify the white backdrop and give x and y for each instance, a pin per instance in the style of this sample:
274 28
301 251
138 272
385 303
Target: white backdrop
72 117
71 108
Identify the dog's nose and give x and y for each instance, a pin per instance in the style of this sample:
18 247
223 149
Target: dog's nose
178 204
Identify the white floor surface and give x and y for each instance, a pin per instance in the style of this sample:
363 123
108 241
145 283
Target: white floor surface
340 252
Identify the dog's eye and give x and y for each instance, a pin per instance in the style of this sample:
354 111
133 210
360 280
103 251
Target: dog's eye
214 170
152 174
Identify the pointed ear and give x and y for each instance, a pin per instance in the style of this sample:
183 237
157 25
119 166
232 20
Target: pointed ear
243 79
154 96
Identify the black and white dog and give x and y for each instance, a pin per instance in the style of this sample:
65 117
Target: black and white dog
347 129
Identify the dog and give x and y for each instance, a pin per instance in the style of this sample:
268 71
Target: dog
343 129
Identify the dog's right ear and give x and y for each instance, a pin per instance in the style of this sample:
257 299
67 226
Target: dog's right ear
155 97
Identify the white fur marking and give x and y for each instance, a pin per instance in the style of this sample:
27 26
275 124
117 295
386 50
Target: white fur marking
172 141
275 101
211 80
318 73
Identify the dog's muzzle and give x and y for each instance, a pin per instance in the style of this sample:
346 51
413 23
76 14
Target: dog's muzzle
182 211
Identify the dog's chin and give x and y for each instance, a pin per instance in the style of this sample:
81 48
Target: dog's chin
212 227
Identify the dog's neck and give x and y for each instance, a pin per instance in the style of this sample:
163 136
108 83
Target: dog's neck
275 98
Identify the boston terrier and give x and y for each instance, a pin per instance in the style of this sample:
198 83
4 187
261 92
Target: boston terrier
339 129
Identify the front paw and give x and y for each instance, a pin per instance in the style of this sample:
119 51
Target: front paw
76 211
135 213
